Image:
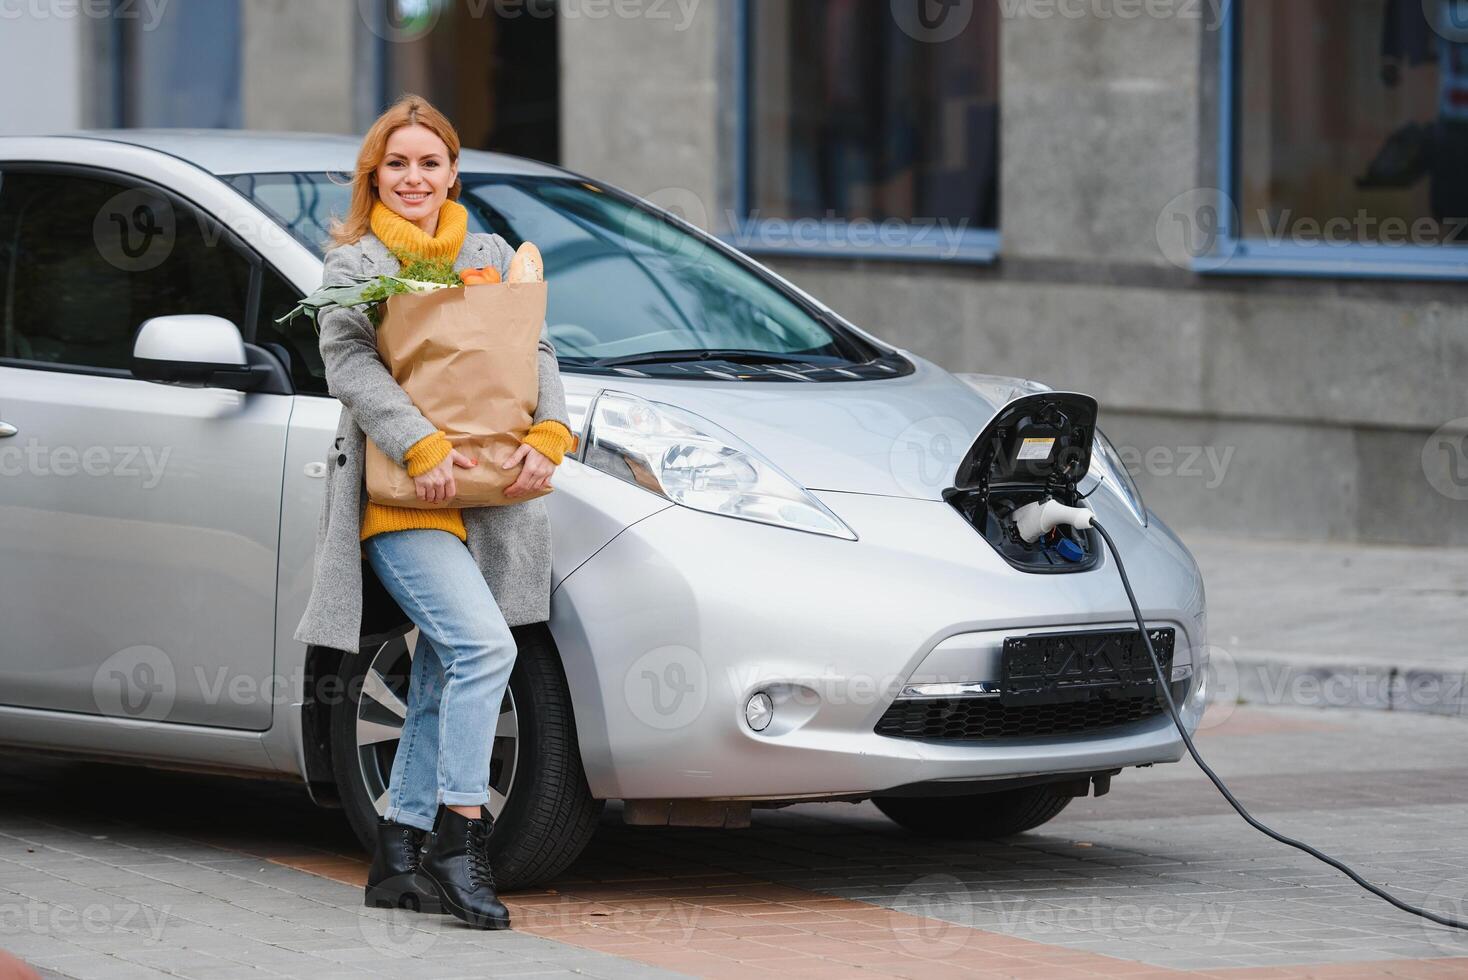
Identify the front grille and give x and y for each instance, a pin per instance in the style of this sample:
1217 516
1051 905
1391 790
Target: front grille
970 719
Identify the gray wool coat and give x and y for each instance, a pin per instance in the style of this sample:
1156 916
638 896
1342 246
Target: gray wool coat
510 543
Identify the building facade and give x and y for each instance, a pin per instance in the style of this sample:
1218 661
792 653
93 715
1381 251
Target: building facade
1237 223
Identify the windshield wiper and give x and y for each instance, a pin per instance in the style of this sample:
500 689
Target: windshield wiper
703 354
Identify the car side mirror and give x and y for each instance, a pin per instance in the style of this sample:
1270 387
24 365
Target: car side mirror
197 350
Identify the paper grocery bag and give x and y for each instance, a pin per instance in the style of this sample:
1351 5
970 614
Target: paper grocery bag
468 358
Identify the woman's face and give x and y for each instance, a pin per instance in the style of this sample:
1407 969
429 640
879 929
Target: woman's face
415 175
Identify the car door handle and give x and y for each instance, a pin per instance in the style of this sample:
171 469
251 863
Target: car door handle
7 430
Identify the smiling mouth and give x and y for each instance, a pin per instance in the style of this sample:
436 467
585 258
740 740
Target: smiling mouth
414 196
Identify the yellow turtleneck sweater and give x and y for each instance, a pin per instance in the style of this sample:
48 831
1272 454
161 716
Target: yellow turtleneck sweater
408 242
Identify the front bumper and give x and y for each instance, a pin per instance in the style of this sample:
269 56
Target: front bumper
668 630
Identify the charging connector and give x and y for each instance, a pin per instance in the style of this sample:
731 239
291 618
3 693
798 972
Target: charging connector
1182 730
1038 518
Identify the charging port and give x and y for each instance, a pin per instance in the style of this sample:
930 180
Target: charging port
1036 447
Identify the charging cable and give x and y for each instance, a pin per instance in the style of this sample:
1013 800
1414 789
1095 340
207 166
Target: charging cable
1176 720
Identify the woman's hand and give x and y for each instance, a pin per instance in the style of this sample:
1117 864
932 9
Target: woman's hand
536 473
437 485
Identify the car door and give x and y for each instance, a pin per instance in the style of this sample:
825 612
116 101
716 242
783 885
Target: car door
139 521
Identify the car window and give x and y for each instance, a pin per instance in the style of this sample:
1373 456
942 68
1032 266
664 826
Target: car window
84 260
626 282
297 339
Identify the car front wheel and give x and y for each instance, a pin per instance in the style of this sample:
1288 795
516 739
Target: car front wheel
544 813
978 817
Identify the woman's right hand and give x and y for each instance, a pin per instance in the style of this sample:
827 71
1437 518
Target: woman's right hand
437 485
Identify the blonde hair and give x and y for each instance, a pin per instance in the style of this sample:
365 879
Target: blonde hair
410 110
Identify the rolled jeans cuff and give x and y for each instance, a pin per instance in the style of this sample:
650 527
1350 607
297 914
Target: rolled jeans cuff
399 815
465 799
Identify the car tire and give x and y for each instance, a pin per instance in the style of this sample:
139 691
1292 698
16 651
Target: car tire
980 817
544 813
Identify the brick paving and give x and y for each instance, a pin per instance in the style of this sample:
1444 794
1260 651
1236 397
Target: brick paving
116 872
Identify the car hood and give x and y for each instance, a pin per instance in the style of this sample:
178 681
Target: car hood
901 437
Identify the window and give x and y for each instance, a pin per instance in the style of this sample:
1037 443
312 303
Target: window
296 342
1344 140
869 132
178 65
624 282
493 68
84 260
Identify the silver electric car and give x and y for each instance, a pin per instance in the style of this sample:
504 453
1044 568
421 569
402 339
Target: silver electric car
787 564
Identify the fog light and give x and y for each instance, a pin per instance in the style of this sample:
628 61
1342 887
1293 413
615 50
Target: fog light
759 711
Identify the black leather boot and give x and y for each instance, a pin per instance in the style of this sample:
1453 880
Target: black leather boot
393 881
455 862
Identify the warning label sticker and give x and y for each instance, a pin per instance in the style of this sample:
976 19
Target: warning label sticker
1035 449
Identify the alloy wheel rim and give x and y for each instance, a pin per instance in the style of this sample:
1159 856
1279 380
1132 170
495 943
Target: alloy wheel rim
382 708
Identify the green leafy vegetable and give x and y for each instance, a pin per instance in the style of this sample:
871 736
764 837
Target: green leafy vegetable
365 291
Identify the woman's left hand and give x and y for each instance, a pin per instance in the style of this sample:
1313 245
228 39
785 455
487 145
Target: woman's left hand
536 473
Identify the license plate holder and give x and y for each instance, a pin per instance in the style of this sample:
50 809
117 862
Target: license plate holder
1066 667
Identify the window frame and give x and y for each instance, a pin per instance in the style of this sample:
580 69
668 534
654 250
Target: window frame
979 246
1235 255
256 262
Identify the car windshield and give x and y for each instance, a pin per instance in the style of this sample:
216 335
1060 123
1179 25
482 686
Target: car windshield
628 285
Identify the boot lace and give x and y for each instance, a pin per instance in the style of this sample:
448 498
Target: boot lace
477 841
410 846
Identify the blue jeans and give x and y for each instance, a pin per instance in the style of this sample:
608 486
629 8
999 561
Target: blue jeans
461 667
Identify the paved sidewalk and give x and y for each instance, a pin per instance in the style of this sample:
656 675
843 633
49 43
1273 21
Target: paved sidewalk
113 872
1331 625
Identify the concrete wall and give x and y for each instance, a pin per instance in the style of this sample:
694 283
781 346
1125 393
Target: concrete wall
42 57
1278 407
298 58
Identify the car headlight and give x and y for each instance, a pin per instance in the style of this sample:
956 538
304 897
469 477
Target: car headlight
696 463
1107 467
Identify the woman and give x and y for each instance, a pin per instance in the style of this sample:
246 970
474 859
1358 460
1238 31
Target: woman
463 576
